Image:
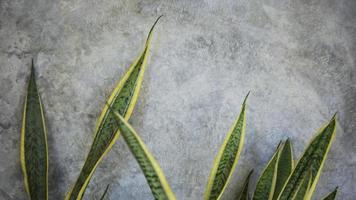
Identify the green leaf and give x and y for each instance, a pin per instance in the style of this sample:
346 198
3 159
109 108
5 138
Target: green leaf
285 167
34 152
313 159
152 171
105 192
303 189
122 100
267 181
244 192
226 160
332 195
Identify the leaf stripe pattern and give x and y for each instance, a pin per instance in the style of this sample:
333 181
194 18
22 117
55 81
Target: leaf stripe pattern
313 159
152 171
122 100
244 195
34 152
227 158
303 188
285 167
267 181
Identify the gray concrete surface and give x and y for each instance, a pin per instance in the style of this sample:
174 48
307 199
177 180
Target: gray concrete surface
297 58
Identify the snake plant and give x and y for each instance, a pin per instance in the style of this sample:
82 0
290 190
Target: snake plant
34 149
34 154
281 179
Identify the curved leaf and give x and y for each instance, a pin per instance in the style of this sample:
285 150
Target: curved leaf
313 159
105 192
332 195
152 171
244 192
267 181
227 158
285 167
34 152
122 100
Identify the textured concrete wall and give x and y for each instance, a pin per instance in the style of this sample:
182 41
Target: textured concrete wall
296 56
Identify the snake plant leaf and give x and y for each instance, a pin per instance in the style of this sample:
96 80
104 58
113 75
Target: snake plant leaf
123 100
34 152
267 181
303 189
285 167
244 192
313 159
332 195
152 171
105 192
226 160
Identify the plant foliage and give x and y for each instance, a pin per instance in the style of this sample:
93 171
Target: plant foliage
281 179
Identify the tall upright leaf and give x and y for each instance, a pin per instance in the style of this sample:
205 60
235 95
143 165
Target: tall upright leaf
226 160
332 195
284 168
152 171
122 100
34 152
244 195
267 181
313 159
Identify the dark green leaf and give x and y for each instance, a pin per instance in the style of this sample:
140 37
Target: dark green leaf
313 159
34 154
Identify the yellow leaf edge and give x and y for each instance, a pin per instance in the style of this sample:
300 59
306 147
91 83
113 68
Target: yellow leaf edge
221 150
308 176
274 179
312 189
131 106
22 143
150 157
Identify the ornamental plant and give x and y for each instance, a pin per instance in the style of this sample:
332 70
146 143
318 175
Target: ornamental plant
281 179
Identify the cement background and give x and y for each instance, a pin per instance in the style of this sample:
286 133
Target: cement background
297 58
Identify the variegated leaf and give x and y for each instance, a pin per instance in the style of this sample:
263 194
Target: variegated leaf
34 154
152 171
313 159
122 100
285 167
267 181
303 189
226 160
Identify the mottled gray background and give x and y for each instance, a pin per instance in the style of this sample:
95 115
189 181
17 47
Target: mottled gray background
296 56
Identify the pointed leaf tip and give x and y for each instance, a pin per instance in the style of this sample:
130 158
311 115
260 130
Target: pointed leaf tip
245 100
334 116
32 74
226 159
154 24
34 151
279 144
332 195
244 194
314 157
122 99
